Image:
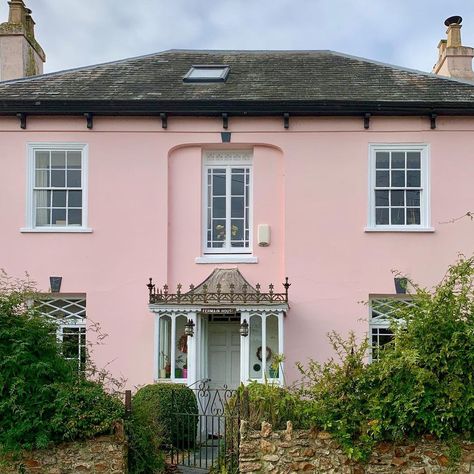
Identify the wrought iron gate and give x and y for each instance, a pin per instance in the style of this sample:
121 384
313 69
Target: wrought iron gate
210 437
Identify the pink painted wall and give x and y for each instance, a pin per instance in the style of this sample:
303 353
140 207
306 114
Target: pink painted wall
310 186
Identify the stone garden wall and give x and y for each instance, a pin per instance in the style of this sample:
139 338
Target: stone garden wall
292 451
105 454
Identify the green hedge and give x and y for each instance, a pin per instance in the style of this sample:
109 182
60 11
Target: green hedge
171 409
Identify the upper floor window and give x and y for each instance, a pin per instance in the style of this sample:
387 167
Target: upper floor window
227 206
57 187
399 191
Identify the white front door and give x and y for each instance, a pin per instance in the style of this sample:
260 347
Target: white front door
224 354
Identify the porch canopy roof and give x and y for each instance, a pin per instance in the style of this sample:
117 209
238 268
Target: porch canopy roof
221 287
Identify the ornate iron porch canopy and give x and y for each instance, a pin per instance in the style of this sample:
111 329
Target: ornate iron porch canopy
223 286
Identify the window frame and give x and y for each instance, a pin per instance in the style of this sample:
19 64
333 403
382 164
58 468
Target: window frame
188 77
69 322
30 185
425 199
227 159
382 322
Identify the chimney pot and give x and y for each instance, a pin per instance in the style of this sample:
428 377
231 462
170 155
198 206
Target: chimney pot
453 20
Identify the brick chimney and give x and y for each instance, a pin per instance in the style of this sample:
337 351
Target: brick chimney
20 53
455 60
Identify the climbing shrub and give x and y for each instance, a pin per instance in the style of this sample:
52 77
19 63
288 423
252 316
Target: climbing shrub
169 409
422 382
43 398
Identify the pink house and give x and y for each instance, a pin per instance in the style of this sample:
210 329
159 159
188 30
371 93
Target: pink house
228 170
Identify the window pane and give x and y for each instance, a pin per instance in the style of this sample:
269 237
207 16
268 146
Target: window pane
71 340
414 179
237 229
255 342
397 198
58 159
218 184
164 361
414 160
398 179
58 178
74 216
381 179
74 179
218 207
59 217
42 217
398 159
413 216
75 198
382 159
42 198
218 230
59 198
42 159
398 216
74 160
237 184
181 349
272 344
237 207
413 198
381 216
381 198
42 179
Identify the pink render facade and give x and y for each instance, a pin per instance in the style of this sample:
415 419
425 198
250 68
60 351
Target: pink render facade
310 184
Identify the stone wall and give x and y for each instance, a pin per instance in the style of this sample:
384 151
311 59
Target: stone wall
105 454
291 451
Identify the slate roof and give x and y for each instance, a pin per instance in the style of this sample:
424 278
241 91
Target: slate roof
258 82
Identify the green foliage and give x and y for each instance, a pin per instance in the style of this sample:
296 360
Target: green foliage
42 397
83 409
422 382
144 441
271 403
171 409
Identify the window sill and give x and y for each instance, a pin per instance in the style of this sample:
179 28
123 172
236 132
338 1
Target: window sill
226 259
56 230
399 229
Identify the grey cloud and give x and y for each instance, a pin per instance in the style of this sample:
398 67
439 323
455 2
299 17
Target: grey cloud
405 32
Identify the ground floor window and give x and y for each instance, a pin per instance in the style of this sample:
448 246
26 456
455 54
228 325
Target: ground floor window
173 347
69 313
383 310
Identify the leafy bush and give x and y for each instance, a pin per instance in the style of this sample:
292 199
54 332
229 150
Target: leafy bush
271 403
83 410
144 441
42 398
422 382
157 406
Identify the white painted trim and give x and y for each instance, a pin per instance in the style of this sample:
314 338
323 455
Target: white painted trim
425 211
281 346
225 158
30 180
226 259
382 228
192 350
156 354
56 230
244 351
184 309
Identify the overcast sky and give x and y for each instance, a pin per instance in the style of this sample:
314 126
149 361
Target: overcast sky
77 33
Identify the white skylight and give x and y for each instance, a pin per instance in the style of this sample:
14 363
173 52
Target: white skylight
207 73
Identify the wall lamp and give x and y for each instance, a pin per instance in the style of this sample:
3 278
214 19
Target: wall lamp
244 328
189 328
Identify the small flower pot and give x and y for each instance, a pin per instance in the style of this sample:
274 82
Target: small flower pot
178 373
185 373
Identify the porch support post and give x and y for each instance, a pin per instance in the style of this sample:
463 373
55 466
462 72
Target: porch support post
281 345
192 349
156 345
244 351
263 315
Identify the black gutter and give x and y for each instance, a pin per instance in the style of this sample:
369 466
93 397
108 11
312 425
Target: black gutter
235 108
